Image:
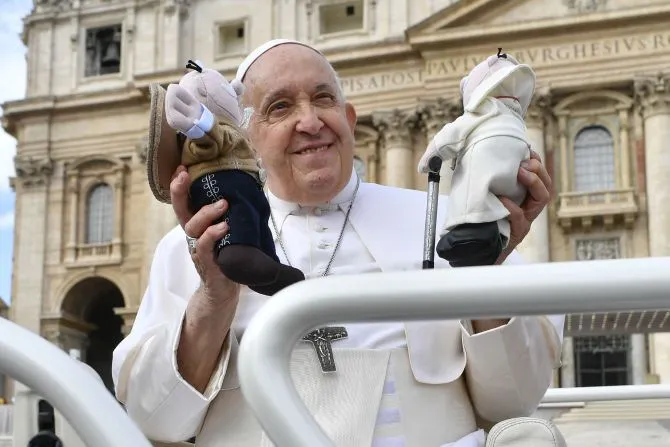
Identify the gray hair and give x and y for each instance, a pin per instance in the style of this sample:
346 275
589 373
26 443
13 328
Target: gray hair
248 111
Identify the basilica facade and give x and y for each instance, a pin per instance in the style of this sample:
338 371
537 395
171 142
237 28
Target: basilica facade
87 223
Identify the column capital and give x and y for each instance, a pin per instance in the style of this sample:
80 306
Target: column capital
435 113
652 93
395 126
539 109
32 171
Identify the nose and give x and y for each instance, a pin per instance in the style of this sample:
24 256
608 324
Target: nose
308 120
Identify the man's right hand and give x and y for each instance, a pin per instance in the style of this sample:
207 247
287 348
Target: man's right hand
211 309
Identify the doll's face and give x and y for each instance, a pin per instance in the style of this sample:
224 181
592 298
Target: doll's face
302 128
213 90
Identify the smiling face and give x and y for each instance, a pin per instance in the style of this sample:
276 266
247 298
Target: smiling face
302 128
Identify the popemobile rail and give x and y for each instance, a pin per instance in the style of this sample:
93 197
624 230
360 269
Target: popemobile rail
482 292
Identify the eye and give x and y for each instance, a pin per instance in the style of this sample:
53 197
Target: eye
278 106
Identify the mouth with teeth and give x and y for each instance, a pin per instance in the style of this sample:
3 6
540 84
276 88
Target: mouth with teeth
313 150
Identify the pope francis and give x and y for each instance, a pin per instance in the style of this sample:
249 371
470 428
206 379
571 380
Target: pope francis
426 384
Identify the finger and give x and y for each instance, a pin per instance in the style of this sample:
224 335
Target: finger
179 196
537 191
203 219
519 224
536 166
204 255
535 156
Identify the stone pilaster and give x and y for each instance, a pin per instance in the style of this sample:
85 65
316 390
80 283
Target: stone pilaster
435 114
568 364
653 97
535 246
31 185
396 128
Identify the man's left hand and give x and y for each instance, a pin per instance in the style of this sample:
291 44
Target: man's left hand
533 175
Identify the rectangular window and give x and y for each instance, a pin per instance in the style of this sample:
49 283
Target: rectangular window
231 39
341 17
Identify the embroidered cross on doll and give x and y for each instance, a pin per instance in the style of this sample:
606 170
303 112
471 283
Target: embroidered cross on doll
200 128
486 144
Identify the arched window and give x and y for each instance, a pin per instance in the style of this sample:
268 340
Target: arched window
100 215
359 166
594 160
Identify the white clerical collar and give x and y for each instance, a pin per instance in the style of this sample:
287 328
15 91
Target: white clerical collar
282 208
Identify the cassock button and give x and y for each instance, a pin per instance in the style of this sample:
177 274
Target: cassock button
323 245
321 228
318 211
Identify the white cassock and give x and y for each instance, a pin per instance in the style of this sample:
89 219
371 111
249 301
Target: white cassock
397 384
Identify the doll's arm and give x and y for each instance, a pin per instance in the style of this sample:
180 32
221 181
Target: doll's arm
450 140
187 115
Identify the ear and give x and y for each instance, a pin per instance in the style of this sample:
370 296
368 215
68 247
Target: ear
350 112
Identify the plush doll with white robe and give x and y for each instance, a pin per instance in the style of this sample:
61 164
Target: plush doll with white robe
486 146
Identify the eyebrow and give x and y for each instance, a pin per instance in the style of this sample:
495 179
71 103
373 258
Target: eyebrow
283 92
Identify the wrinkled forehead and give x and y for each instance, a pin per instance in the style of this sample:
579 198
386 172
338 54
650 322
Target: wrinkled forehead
288 67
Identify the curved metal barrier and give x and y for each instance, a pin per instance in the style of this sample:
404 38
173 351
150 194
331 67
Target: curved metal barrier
483 292
74 391
603 393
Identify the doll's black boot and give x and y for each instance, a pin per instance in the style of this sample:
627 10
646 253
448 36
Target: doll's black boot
471 245
252 267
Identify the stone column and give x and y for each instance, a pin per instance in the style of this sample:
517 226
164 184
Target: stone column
653 96
33 176
435 114
535 246
568 364
638 359
396 129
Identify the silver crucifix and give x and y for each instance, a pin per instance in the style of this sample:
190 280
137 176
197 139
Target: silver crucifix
320 339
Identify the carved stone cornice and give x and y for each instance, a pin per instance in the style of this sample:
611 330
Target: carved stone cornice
652 94
436 113
582 6
173 6
49 6
395 127
33 171
539 109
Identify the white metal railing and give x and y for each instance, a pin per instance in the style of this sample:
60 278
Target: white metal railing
484 292
75 392
539 289
603 393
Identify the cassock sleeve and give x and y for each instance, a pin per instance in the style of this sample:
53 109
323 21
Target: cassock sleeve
144 366
509 369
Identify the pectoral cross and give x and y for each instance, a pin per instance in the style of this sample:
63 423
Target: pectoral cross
320 339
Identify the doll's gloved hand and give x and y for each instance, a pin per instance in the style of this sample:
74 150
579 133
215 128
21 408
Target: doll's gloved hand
440 146
186 114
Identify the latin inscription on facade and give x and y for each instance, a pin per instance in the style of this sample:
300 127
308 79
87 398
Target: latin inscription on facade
573 53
